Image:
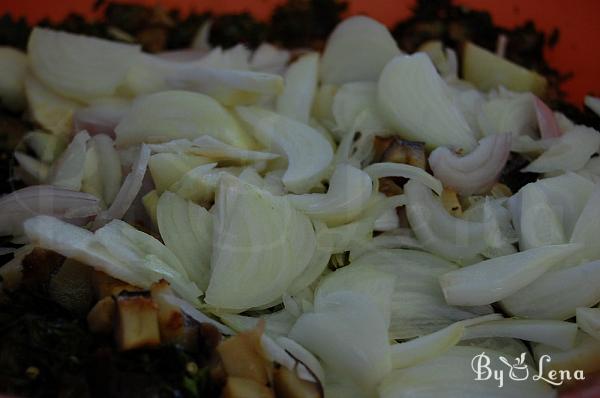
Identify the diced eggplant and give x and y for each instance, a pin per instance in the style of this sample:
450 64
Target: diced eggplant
39 266
237 387
288 385
170 318
396 150
136 321
71 287
101 318
242 356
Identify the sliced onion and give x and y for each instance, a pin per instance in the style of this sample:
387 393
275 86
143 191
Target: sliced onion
588 320
357 35
587 228
168 115
347 196
569 153
168 168
442 233
349 101
426 347
198 316
418 305
546 121
593 103
234 58
72 206
375 284
53 112
349 335
308 153
475 172
301 78
415 100
509 112
526 144
79 244
67 171
554 333
13 64
557 294
276 324
583 357
388 221
128 191
269 59
213 148
539 225
199 184
178 220
381 170
497 278
36 172
451 375
186 55
77 66
303 356
47 147
110 170
101 117
258 237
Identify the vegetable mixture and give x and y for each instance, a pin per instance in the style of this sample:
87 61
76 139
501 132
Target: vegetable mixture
284 216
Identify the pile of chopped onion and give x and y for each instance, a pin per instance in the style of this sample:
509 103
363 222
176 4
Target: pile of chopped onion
283 194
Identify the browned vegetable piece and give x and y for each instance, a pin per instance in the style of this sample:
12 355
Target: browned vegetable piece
101 317
238 387
105 285
500 190
39 266
451 202
136 321
71 287
396 150
389 187
209 337
242 356
288 385
170 318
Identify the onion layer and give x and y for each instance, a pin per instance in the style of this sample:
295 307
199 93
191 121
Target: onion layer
475 172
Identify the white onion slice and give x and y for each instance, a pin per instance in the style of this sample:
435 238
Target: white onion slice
13 64
257 237
554 333
67 171
128 191
569 153
475 172
593 103
308 153
546 120
588 320
178 220
451 376
77 66
269 59
301 78
101 117
497 278
349 191
377 285
53 112
426 347
508 112
381 170
72 206
302 355
557 294
415 100
357 35
168 168
109 167
349 335
539 225
418 305
47 147
32 171
199 184
350 100
168 115
213 148
442 233
587 228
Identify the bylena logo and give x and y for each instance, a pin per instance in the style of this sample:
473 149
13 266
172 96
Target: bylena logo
519 371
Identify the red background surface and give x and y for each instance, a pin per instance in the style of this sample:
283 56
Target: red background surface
578 49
